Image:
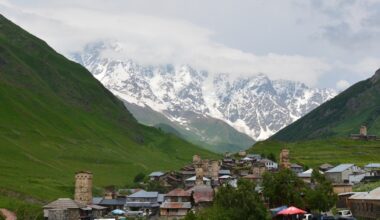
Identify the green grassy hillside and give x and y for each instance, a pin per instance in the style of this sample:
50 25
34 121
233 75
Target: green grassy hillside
56 119
341 116
316 152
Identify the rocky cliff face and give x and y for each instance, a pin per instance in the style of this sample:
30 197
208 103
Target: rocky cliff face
256 105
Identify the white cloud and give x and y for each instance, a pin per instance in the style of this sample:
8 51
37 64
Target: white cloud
342 85
367 66
158 40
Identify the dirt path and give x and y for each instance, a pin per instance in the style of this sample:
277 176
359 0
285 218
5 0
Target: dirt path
8 214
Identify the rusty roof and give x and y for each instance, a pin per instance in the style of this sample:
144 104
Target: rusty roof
202 193
178 192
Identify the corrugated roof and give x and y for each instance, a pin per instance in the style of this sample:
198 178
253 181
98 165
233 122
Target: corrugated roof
96 200
193 178
98 207
225 177
143 194
176 205
373 165
373 195
113 202
156 174
64 203
340 168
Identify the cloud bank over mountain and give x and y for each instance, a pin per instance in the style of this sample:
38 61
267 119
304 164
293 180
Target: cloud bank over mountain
241 39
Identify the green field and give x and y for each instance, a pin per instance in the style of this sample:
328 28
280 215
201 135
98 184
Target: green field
316 152
56 119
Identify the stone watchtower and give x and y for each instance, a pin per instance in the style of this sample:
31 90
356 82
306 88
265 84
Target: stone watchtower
199 175
215 170
363 130
284 159
196 159
83 187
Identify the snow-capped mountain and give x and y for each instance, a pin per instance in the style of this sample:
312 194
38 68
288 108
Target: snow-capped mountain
255 105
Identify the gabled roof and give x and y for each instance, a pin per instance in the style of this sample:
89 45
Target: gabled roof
372 165
156 174
225 177
64 203
178 192
294 165
113 202
202 193
372 195
340 168
96 200
144 194
326 166
193 178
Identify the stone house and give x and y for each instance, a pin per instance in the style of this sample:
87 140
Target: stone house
143 201
176 204
365 205
341 173
202 195
64 209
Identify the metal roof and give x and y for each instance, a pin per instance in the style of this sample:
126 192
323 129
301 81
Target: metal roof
373 165
96 200
225 177
112 202
224 172
144 194
372 195
340 168
156 174
193 178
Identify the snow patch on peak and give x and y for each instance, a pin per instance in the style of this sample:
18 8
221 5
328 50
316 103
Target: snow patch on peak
255 105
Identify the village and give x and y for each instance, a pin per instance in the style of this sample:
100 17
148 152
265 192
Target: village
193 187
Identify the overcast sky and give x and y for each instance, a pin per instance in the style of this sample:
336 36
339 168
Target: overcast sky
331 43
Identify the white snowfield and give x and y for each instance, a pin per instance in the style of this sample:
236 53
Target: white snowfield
256 106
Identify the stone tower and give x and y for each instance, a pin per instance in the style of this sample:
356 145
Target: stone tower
363 130
284 159
83 187
199 175
196 159
215 170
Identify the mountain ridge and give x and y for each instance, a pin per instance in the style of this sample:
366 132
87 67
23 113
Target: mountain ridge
255 106
56 119
358 105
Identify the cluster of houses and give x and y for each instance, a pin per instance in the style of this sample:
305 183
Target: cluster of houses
193 187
